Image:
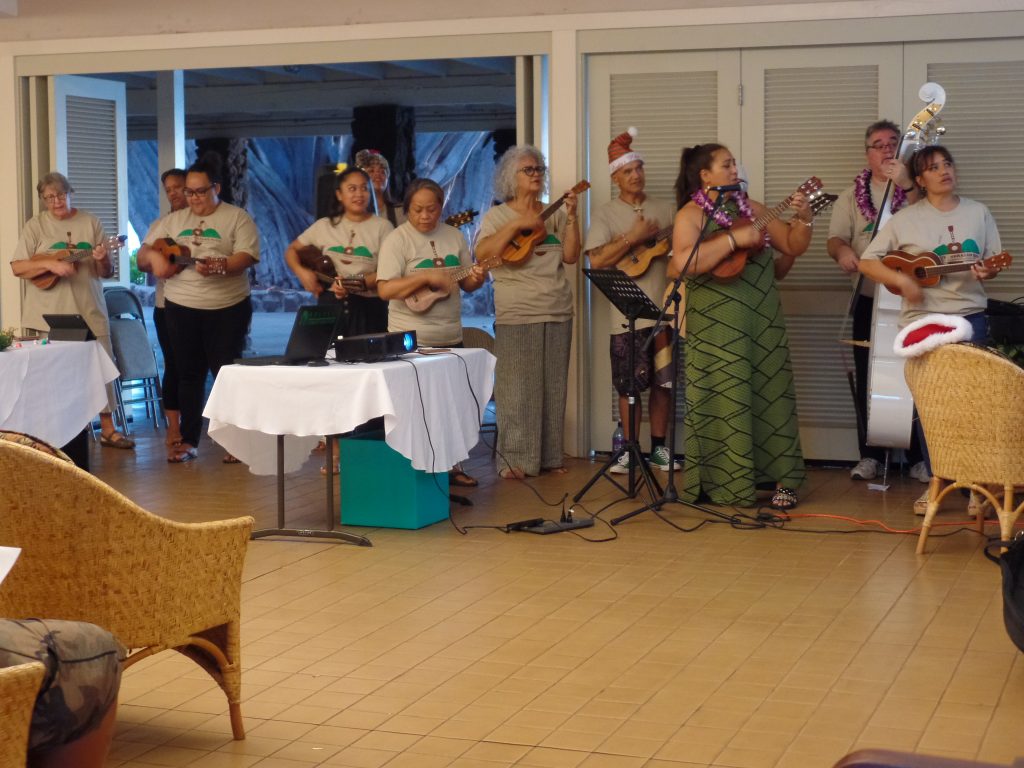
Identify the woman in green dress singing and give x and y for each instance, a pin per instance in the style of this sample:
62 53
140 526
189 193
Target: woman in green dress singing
741 422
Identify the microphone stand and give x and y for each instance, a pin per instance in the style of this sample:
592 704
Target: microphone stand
670 494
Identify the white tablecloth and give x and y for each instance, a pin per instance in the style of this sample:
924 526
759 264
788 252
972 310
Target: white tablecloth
431 404
52 391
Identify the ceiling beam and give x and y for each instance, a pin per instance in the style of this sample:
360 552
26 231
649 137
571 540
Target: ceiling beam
504 64
362 69
435 67
299 74
280 98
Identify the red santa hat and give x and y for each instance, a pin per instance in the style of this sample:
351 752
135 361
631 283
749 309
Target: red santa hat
620 152
929 332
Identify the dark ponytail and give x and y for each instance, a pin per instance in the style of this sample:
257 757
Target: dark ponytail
694 160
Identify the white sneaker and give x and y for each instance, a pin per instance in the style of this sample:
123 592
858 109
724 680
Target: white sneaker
921 505
621 467
660 459
920 473
866 469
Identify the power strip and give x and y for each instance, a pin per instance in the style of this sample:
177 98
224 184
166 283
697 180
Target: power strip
556 526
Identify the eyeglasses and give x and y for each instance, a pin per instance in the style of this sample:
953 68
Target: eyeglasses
198 192
534 170
55 198
879 146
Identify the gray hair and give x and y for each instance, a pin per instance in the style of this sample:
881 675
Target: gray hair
505 173
54 179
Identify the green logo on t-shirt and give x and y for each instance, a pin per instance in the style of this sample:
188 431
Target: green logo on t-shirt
61 245
451 260
360 250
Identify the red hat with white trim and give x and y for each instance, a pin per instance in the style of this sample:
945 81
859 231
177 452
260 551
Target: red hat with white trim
929 332
620 150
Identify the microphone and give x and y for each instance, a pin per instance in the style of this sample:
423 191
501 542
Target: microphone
727 188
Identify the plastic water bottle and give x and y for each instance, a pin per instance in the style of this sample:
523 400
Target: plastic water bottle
618 438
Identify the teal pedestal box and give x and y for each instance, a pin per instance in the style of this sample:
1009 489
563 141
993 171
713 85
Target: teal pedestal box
379 487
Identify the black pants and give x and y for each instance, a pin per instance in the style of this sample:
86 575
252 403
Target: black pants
169 385
203 340
361 314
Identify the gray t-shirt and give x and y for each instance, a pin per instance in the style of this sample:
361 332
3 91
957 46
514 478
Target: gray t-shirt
226 231
407 249
82 292
850 224
538 291
966 233
615 218
353 246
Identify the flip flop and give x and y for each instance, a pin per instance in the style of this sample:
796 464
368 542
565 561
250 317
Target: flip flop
182 454
784 499
116 440
460 479
229 459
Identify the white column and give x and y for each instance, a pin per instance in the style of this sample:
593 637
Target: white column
170 125
565 159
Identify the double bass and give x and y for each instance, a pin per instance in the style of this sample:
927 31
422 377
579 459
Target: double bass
889 402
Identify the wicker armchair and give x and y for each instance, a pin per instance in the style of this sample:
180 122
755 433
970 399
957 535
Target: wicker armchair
971 404
19 687
90 554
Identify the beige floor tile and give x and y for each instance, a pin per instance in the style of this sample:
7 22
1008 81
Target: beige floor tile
724 648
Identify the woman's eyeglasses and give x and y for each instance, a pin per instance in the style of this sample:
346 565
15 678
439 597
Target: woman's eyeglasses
534 170
197 192
55 198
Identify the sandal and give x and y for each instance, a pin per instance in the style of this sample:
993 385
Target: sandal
459 478
116 440
182 453
512 473
784 499
229 459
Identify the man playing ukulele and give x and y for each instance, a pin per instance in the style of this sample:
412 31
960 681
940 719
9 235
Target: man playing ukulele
628 224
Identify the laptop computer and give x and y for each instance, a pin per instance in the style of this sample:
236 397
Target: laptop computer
68 328
312 334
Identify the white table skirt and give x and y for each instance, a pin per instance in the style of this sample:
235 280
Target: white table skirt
432 406
53 391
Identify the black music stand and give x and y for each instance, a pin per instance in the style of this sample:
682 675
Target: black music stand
632 302
671 495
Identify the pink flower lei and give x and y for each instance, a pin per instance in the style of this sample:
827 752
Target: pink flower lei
721 216
862 193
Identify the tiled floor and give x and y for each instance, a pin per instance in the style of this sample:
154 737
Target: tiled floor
661 649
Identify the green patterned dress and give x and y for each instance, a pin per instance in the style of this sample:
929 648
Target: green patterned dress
741 422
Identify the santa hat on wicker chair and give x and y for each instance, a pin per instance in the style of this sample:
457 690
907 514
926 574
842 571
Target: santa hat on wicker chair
931 331
620 151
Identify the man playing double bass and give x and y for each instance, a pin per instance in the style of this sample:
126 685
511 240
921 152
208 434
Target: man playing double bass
850 231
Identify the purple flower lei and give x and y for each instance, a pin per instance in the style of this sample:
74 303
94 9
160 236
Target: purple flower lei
721 216
862 192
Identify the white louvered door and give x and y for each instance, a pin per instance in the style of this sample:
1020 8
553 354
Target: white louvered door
984 110
89 144
674 100
804 114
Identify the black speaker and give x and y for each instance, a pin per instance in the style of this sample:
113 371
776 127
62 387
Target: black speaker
371 347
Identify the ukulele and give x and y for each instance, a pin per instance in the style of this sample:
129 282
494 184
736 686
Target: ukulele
424 298
732 266
180 257
638 258
71 255
461 218
520 248
926 268
323 268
